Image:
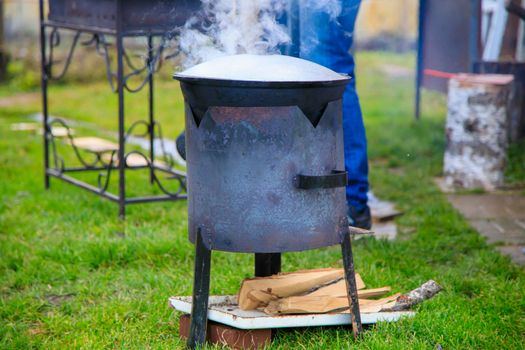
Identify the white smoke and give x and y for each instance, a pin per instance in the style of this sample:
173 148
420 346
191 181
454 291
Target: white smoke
229 27
309 33
332 7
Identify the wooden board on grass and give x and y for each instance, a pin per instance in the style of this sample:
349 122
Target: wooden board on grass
225 310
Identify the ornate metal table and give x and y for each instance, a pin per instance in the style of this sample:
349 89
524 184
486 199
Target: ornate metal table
100 20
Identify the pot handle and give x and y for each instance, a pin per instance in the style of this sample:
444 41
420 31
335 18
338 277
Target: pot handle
338 178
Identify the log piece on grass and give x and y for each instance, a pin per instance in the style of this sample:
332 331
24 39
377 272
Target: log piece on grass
404 302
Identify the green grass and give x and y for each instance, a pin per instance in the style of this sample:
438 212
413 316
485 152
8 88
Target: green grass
73 276
515 170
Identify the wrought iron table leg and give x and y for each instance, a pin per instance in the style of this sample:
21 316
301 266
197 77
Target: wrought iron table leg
151 126
44 78
351 287
121 132
267 264
201 289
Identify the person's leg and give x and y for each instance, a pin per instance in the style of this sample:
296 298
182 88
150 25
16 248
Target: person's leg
327 41
356 159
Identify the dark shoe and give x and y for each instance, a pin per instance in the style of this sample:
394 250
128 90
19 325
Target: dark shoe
180 144
361 219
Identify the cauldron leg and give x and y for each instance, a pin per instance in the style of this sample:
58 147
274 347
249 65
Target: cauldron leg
201 290
351 287
267 264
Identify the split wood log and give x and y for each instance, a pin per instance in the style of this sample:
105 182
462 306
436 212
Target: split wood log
338 289
374 292
369 306
259 291
307 304
325 303
404 302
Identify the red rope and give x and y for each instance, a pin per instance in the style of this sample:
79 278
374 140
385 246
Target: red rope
439 74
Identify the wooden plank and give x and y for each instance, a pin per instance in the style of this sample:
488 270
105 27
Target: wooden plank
25 127
381 210
307 304
374 292
385 213
134 160
225 310
338 289
59 131
94 144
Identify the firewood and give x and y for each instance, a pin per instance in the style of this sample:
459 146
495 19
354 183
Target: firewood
369 306
338 289
307 304
374 292
426 291
318 303
257 292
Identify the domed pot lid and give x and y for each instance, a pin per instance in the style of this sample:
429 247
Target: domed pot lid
261 81
261 70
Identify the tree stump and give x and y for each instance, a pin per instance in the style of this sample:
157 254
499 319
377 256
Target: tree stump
476 130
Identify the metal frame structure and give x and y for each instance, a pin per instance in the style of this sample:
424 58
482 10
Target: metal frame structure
255 117
265 265
54 165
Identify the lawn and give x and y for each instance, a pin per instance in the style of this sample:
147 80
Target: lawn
72 275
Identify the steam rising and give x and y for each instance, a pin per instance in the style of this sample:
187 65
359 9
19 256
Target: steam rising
230 27
332 7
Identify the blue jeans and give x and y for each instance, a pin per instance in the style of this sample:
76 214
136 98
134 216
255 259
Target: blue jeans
328 42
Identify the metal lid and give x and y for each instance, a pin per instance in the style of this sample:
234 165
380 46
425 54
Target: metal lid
262 69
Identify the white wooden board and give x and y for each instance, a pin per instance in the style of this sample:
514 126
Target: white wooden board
135 159
224 309
94 144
